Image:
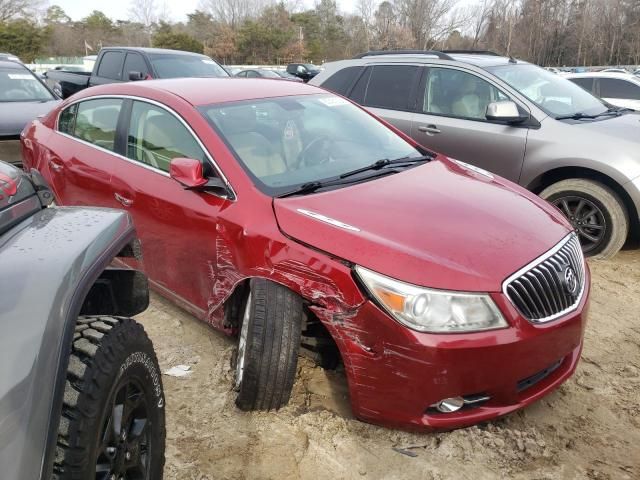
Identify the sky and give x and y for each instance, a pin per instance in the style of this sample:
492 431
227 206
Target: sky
178 9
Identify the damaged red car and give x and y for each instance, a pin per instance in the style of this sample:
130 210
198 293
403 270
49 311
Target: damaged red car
293 219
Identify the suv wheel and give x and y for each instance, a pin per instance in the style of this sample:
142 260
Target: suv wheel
112 424
595 211
268 344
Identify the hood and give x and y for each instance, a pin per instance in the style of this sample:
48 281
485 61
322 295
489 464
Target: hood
439 225
15 115
625 127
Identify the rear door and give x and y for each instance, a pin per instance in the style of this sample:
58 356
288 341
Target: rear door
80 154
389 91
177 227
452 104
109 69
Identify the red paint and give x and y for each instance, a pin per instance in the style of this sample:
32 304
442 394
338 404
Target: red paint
187 172
438 225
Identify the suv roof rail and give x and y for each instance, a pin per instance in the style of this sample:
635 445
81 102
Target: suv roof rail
376 53
473 52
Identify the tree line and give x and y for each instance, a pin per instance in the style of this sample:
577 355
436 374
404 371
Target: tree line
546 32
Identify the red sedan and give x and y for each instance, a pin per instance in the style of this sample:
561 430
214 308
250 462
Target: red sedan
292 218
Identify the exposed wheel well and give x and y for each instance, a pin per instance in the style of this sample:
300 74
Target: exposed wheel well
565 173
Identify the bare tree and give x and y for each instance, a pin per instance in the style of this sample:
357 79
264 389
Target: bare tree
366 10
144 12
15 8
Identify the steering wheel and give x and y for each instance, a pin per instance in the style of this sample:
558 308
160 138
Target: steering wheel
309 157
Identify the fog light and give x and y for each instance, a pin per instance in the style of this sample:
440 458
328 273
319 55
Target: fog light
449 405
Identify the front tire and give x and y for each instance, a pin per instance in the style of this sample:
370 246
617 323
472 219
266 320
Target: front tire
112 423
268 345
596 212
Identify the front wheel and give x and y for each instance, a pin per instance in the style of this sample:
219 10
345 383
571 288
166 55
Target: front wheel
596 212
268 344
112 424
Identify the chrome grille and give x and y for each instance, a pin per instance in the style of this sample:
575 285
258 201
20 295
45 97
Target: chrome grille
550 286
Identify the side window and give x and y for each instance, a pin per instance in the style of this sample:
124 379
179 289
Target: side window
252 74
67 119
241 74
360 88
134 63
156 137
96 122
390 86
459 94
586 83
111 65
615 88
341 81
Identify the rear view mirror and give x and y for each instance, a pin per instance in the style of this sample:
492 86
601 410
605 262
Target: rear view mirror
504 111
187 172
135 76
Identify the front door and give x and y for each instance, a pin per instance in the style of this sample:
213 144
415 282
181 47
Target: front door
177 227
451 120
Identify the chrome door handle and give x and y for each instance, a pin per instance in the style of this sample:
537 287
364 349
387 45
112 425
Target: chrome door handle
123 200
55 166
429 129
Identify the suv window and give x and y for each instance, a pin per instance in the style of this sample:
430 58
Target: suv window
67 119
134 63
341 81
111 65
459 94
390 86
586 83
96 122
252 74
156 137
616 88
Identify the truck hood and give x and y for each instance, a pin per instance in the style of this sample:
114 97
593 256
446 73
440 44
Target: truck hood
439 225
15 115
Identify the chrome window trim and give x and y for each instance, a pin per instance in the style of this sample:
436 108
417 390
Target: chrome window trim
535 263
233 197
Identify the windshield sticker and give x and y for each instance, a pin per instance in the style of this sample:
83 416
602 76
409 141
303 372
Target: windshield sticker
21 76
334 101
290 130
330 221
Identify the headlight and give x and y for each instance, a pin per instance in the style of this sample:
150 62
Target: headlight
435 311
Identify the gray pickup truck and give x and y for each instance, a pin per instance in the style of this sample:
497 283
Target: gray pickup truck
128 64
80 388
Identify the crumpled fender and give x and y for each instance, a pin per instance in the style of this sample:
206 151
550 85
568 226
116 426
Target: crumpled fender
47 265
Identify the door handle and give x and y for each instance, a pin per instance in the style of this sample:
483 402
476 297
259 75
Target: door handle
127 202
429 129
55 165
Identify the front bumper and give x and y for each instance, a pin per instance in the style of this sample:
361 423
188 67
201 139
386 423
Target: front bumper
10 151
396 374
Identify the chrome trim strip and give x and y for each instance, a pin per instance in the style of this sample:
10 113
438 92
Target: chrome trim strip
537 262
329 220
162 106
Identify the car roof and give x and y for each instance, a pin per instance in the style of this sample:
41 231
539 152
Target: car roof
206 91
154 51
620 75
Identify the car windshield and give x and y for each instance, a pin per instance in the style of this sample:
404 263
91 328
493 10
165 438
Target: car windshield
552 93
22 86
178 66
287 142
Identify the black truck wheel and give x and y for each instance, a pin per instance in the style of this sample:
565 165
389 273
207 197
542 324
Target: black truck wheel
268 345
112 425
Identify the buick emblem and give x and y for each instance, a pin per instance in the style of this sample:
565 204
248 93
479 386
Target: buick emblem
570 280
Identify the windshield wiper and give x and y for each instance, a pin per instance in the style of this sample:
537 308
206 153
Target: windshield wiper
581 116
311 187
377 165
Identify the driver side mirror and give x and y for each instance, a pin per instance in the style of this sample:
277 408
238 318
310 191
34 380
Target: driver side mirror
504 111
135 76
188 173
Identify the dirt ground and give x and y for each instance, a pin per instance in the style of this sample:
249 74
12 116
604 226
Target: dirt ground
588 429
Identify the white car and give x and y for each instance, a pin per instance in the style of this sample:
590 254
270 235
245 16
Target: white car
619 89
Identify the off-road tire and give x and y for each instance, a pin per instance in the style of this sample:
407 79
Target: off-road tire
610 203
105 352
273 341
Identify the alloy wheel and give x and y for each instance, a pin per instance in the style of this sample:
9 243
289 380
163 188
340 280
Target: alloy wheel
587 218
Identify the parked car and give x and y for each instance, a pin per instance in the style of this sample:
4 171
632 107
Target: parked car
614 70
304 71
7 57
124 64
553 70
289 216
23 97
287 76
80 392
516 120
257 73
619 89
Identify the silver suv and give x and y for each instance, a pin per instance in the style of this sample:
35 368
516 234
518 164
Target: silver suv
516 120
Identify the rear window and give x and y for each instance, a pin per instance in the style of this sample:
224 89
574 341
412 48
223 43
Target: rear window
111 65
341 81
178 66
615 88
96 122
